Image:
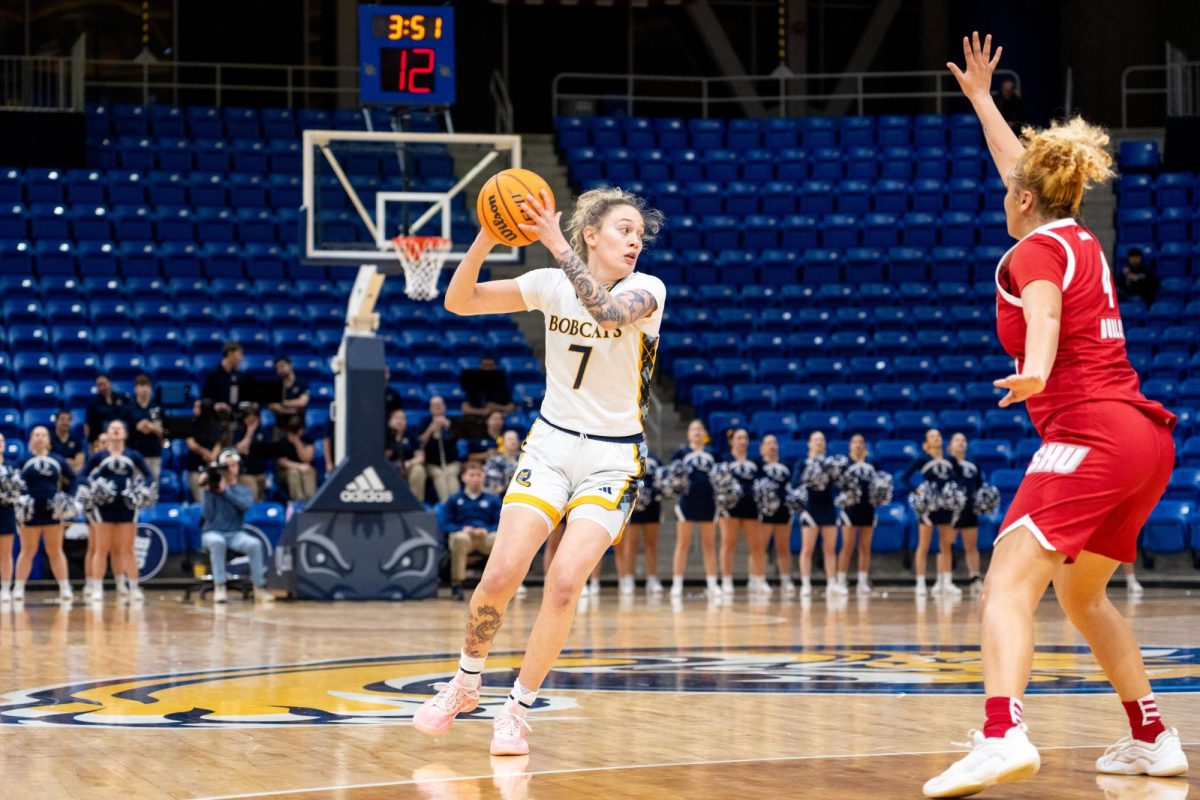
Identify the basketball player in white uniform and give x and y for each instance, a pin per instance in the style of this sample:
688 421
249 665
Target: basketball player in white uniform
584 455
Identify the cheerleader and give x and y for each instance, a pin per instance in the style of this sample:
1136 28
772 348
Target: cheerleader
8 530
774 517
857 517
968 476
46 476
115 516
819 517
696 508
936 473
738 512
644 525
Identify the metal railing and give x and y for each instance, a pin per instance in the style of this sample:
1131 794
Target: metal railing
38 82
503 103
780 95
1175 86
210 83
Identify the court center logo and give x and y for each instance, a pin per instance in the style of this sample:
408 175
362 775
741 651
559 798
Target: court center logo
389 690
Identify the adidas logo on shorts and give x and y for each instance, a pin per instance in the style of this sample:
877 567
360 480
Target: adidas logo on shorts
366 488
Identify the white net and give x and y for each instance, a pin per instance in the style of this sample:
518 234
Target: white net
422 258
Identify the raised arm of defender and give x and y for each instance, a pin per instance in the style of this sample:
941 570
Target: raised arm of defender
976 83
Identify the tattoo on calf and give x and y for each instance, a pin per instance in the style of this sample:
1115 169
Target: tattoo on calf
482 626
600 303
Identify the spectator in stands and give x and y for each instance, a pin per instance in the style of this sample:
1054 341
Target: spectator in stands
499 469
295 396
481 402
480 449
222 526
146 427
250 437
68 446
296 470
206 441
104 407
1137 278
222 384
1011 106
441 450
404 452
469 519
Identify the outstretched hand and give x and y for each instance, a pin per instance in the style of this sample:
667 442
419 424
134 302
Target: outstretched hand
1020 388
975 79
546 223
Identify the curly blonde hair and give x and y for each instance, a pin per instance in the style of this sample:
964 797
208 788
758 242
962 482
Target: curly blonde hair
1061 163
593 206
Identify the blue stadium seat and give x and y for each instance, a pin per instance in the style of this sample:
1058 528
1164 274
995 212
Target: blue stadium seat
892 197
991 454
952 421
830 422
893 396
801 397
1184 485
1006 423
1138 156
890 529
1169 528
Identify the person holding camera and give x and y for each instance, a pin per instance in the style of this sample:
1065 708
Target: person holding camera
251 436
470 519
222 525
293 396
441 451
296 469
145 423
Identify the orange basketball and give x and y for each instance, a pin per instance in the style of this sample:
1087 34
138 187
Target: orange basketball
501 205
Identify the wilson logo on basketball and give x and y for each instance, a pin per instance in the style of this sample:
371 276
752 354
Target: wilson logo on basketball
499 225
391 689
366 488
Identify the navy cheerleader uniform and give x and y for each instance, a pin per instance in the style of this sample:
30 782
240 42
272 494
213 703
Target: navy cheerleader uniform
698 504
746 472
8 514
652 513
968 476
861 515
782 476
820 511
937 472
120 469
45 476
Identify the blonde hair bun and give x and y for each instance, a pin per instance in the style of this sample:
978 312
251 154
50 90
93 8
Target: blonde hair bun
1062 162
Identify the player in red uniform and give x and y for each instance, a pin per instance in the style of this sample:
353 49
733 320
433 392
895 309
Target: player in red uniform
1106 457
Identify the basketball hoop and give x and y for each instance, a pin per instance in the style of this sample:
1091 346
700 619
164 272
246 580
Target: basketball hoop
422 258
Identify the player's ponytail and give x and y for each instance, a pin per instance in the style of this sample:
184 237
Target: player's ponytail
593 206
1061 163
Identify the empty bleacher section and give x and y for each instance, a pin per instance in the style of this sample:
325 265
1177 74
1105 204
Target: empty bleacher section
837 274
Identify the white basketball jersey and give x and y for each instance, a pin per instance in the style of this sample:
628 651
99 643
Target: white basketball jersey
597 381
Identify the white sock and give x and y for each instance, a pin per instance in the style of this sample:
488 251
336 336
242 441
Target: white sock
64 587
711 580
122 583
1130 578
862 577
806 581
132 583
677 580
18 586
469 671
947 578
841 578
521 697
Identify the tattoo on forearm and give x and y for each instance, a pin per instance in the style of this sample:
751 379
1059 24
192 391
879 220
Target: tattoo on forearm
599 302
482 626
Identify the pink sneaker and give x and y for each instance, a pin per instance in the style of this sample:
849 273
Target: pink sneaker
436 715
508 734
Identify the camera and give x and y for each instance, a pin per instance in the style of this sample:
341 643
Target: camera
212 475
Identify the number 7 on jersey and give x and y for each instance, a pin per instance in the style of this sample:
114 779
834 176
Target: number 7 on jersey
585 353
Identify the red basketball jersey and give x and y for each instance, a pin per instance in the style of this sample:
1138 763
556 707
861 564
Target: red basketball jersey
1091 363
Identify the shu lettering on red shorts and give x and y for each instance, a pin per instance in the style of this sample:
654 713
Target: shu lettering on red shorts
1062 459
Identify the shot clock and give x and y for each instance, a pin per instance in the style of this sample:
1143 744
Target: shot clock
406 55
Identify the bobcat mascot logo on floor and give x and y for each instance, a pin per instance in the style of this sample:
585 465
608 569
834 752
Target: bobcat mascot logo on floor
388 690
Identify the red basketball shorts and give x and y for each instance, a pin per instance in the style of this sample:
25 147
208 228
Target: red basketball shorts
1102 468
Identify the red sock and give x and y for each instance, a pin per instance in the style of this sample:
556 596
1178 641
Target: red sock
1144 720
1003 714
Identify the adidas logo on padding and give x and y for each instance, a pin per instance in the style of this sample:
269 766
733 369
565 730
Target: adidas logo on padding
366 488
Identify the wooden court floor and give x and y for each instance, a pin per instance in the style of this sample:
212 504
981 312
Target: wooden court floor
824 699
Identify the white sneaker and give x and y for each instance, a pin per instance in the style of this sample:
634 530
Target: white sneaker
122 586
594 587
676 588
263 596
5 595
764 587
787 588
921 590
653 585
864 589
950 590
522 591
991 761
1134 757
66 595
219 593
97 596
1134 587
18 594
727 585
805 589
626 586
136 595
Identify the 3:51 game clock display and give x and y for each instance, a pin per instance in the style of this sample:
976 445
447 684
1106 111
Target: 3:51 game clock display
406 55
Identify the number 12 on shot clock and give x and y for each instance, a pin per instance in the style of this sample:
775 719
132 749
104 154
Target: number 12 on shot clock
406 55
